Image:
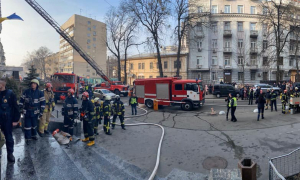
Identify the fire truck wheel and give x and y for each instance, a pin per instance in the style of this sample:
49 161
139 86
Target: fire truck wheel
117 92
187 106
149 103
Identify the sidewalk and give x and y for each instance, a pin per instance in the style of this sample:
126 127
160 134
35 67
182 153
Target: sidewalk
210 96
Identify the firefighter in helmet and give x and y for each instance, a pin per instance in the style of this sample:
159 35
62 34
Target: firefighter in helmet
284 100
32 103
50 105
106 114
70 112
87 114
99 114
118 110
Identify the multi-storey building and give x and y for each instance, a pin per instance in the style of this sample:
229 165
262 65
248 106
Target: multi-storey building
230 44
91 36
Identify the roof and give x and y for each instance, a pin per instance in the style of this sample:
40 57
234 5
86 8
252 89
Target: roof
152 55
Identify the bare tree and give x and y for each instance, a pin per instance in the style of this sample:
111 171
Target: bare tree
276 14
187 16
152 14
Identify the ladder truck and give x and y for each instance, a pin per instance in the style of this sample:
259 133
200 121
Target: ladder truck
114 86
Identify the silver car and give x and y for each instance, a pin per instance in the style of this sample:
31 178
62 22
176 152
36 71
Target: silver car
101 93
265 87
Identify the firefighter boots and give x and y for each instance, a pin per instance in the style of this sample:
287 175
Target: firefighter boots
85 139
91 143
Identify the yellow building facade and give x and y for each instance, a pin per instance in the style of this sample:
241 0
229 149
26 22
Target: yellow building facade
146 66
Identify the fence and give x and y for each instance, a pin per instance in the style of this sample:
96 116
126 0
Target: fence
284 166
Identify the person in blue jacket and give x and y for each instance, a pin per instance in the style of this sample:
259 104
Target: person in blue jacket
32 103
260 101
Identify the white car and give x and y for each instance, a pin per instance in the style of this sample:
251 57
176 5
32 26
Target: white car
101 93
265 87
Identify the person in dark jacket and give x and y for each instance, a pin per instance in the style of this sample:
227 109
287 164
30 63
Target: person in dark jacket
257 92
251 96
268 99
228 108
133 101
284 100
242 93
233 105
9 115
260 101
273 100
88 112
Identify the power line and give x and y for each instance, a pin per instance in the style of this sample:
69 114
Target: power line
108 3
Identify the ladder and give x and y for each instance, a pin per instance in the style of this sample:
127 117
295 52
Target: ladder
68 38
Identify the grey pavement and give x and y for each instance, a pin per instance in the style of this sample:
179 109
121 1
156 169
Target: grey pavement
191 140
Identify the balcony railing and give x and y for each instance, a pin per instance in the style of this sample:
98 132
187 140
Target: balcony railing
253 50
227 33
227 50
253 33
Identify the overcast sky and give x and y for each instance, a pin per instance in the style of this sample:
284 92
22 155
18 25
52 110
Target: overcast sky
20 37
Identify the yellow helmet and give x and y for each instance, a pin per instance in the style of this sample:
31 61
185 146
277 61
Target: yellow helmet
35 81
93 101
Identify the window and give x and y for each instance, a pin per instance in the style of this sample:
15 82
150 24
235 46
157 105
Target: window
214 43
292 47
227 25
89 47
240 76
93 74
240 60
69 64
175 64
280 62
199 59
165 64
240 9
94 45
87 70
88 41
227 9
94 33
265 45
265 76
89 34
94 39
214 9
178 87
89 22
94 27
253 75
253 45
141 77
265 11
227 61
252 26
213 76
140 65
264 29
253 60
151 65
265 61
199 27
89 29
214 27
291 62
240 26
240 43
143 65
200 9
253 10
150 76
227 44
214 60
199 44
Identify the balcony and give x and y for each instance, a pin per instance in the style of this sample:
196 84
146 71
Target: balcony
253 34
227 50
253 51
253 67
199 66
227 33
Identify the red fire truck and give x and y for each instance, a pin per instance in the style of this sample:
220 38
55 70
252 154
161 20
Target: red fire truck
62 82
171 91
116 87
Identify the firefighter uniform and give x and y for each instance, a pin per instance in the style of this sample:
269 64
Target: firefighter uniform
88 112
70 112
268 99
106 114
273 100
50 105
284 100
118 110
233 105
9 113
99 114
32 103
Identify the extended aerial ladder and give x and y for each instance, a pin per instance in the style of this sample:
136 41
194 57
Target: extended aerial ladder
68 38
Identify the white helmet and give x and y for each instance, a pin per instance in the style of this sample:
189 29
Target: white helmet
107 98
96 100
117 97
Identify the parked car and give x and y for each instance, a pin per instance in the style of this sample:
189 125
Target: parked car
224 89
101 93
265 87
297 84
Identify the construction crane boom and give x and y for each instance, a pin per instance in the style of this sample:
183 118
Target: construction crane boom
68 38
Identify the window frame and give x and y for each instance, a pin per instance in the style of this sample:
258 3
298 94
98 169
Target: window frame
225 8
240 7
176 87
165 64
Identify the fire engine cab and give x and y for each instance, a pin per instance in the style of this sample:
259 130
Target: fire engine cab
171 91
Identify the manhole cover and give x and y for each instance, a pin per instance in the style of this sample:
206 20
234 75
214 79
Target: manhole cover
214 162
